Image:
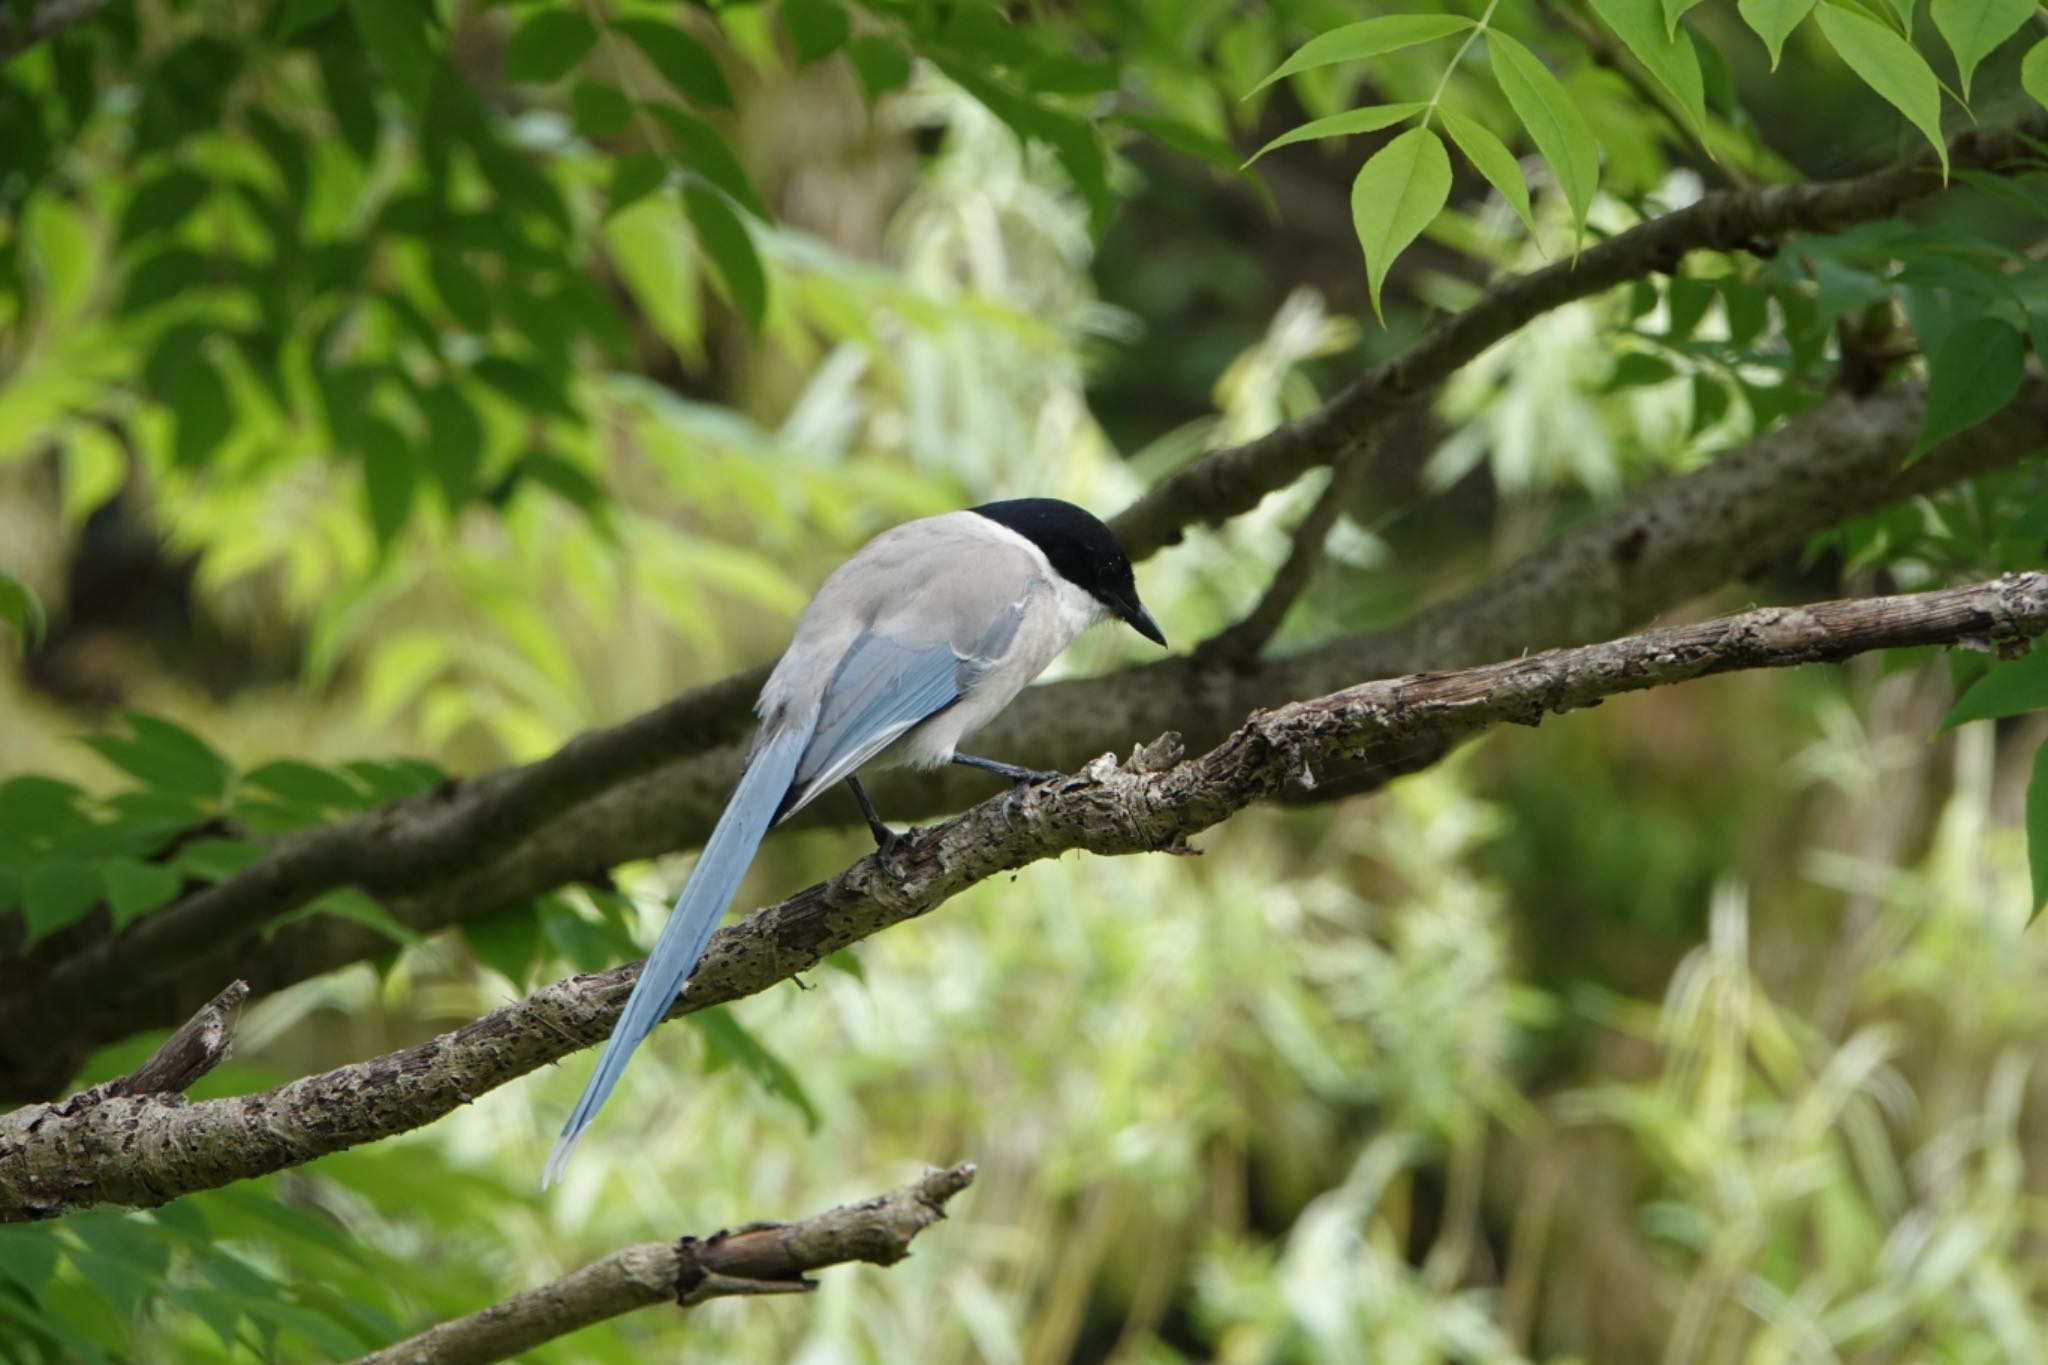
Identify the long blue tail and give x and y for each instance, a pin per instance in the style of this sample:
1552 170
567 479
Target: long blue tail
727 854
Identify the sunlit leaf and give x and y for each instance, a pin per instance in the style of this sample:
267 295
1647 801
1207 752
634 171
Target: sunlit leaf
2009 688
1888 64
1346 124
1554 122
1491 158
1774 20
1973 373
1973 28
1367 38
1666 53
2034 72
1398 194
726 241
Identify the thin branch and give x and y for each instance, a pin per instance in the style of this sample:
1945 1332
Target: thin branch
150 1149
761 1258
1244 639
199 1045
609 797
1226 483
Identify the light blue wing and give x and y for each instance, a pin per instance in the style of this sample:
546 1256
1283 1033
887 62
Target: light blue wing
727 853
880 689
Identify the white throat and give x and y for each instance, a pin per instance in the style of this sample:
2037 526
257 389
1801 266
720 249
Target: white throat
1078 608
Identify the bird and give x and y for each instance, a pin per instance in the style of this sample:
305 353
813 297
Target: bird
918 640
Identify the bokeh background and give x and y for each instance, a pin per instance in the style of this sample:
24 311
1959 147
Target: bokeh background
1698 1028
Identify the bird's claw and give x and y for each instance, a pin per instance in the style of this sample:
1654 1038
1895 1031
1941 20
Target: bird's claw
886 849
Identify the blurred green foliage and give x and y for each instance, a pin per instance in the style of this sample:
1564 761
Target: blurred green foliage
380 379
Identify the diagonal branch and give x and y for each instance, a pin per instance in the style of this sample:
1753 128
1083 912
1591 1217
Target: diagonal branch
1226 483
149 1149
761 1258
617 794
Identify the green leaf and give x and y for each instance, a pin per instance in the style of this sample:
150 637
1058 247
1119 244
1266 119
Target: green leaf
634 177
57 892
1397 194
34 807
682 61
2010 688
388 479
724 239
1674 10
598 110
506 940
135 888
455 444
2037 829
162 202
1367 38
881 65
165 756
20 609
1973 373
1351 121
730 1041
395 32
1554 122
701 149
1666 53
1972 28
305 783
215 860
2034 72
205 413
817 28
1888 64
1774 20
547 45
1491 158
460 288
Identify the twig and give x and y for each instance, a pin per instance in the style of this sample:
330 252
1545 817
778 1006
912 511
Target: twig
1244 639
200 1044
761 1258
149 1149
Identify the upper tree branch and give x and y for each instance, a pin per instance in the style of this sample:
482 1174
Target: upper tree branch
1225 483
609 796
148 1149
760 1258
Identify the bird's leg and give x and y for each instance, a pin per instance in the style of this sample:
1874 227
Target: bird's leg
1019 778
886 839
1009 770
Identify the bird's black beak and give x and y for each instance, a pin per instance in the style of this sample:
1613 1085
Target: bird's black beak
1137 618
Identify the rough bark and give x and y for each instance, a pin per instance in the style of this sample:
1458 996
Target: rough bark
149 1149
761 1258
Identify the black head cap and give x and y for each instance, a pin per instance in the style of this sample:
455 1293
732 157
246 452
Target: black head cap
1081 550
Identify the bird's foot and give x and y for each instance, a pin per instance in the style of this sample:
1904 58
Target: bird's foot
888 844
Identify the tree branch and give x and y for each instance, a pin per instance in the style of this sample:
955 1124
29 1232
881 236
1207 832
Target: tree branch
617 794
761 1258
1242 640
1225 483
149 1149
